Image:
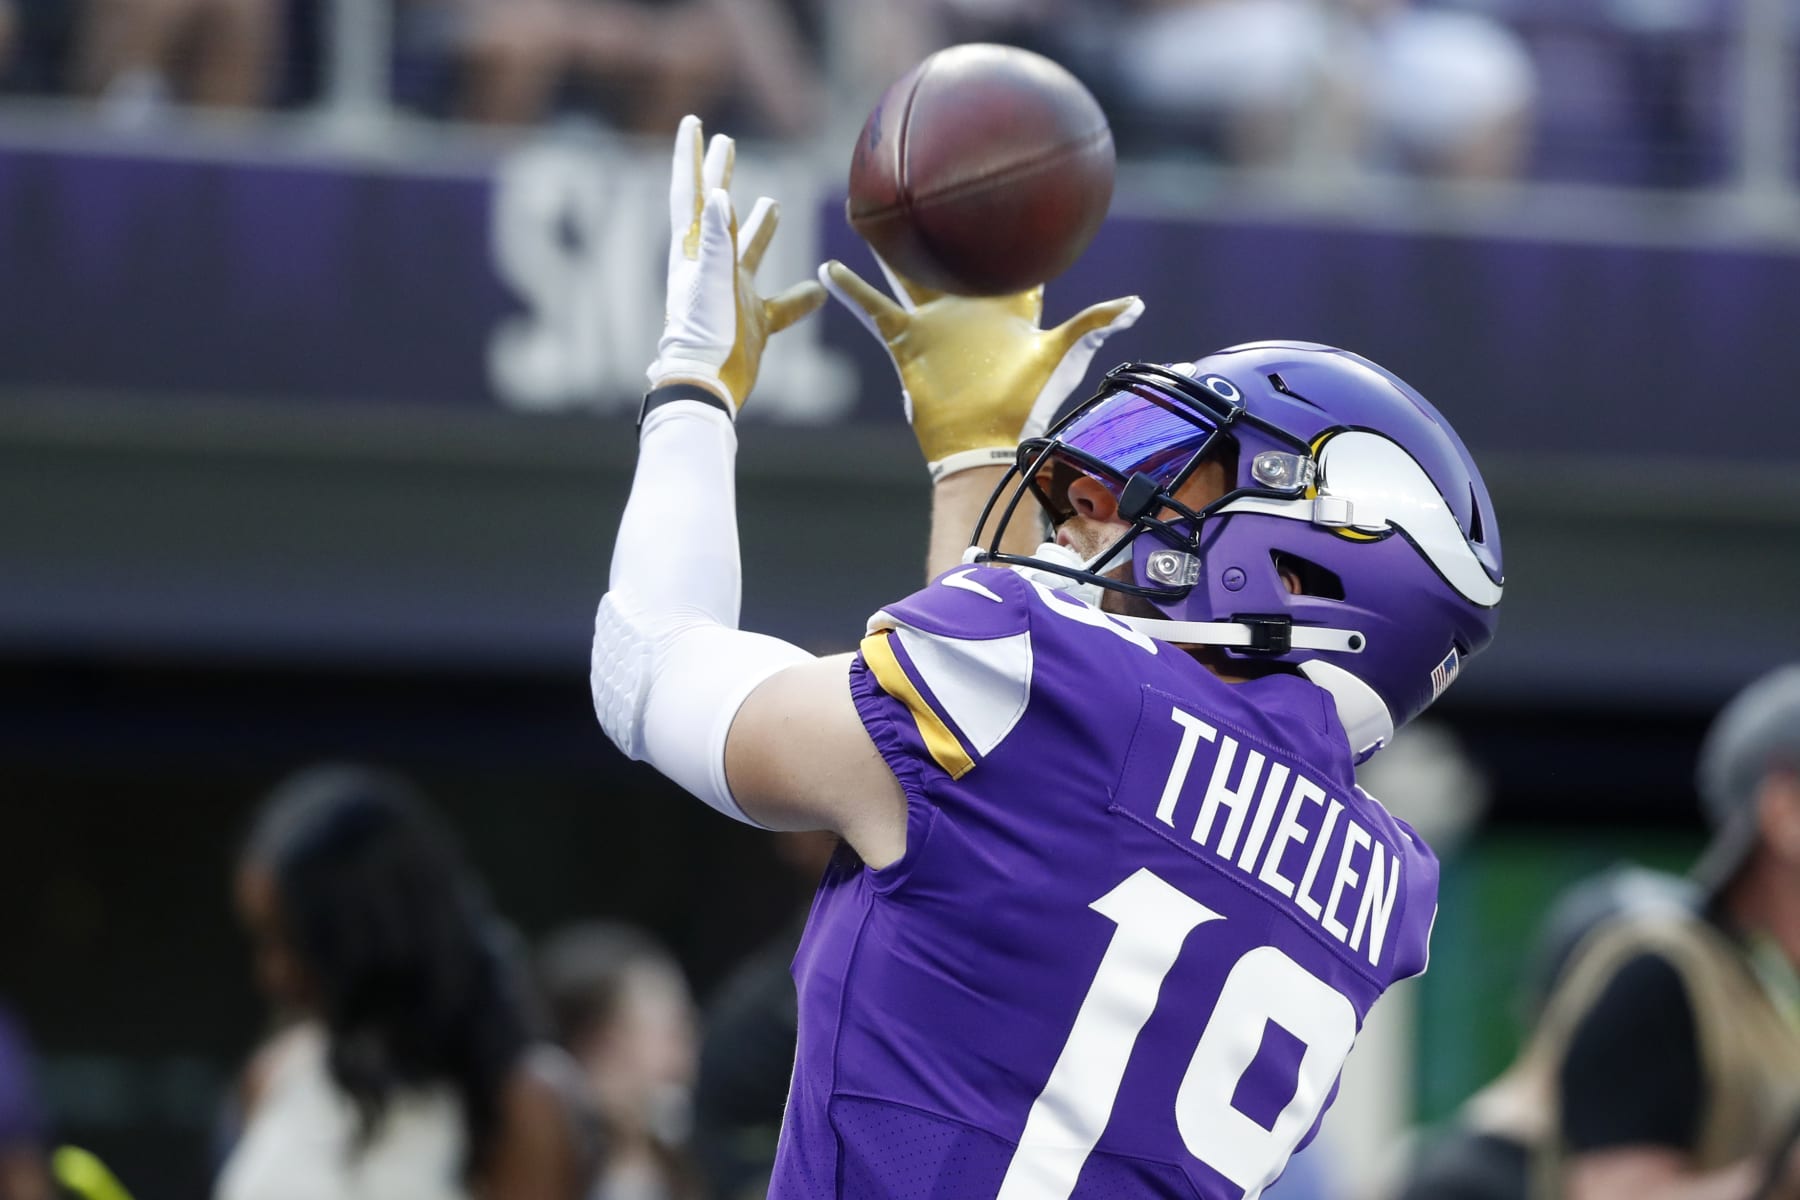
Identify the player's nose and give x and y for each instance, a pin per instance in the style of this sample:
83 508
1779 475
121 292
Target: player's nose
1090 498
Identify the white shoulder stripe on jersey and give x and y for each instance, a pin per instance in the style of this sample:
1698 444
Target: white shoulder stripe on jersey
981 686
961 580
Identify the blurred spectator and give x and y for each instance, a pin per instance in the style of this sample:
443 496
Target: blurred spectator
643 63
1666 1060
747 1053
1283 82
1448 94
24 1170
409 1072
874 42
1229 78
621 1006
136 56
1487 1155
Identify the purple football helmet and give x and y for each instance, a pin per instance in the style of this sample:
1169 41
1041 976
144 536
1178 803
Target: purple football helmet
1344 476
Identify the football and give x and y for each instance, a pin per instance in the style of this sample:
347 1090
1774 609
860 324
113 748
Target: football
984 170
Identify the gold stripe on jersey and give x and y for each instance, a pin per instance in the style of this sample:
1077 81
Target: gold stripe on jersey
946 749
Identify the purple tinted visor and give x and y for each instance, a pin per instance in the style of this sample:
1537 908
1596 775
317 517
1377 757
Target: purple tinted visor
1139 429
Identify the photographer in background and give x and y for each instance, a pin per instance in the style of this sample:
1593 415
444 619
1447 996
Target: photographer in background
1680 1075
1488 1152
1666 1062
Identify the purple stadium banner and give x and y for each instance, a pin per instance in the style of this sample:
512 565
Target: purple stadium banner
536 287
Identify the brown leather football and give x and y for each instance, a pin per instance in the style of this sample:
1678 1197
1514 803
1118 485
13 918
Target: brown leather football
984 170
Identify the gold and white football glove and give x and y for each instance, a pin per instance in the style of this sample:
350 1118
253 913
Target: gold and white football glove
715 324
977 374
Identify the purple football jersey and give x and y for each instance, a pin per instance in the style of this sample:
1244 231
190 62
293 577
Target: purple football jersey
1139 920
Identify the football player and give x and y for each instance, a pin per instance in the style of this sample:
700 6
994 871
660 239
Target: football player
1116 907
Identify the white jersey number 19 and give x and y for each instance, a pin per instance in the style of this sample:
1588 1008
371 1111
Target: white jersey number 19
1154 919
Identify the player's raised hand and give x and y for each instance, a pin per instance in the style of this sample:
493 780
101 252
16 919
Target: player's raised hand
715 323
977 374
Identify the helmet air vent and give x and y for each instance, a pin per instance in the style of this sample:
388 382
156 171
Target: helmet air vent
1280 385
1477 534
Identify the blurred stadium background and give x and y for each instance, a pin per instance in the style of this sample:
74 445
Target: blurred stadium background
315 423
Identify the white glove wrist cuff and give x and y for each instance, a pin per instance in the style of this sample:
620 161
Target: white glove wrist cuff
665 372
968 460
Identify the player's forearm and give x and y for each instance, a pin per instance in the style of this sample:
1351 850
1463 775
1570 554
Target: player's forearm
956 504
677 549
669 667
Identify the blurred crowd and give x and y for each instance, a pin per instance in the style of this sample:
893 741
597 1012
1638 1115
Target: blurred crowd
419 1049
1610 90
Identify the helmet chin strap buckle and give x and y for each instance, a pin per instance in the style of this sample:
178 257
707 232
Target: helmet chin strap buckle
1268 634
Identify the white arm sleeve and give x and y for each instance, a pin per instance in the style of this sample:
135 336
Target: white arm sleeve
670 668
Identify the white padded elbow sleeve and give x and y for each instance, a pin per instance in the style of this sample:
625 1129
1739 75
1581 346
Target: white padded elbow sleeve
666 691
668 671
